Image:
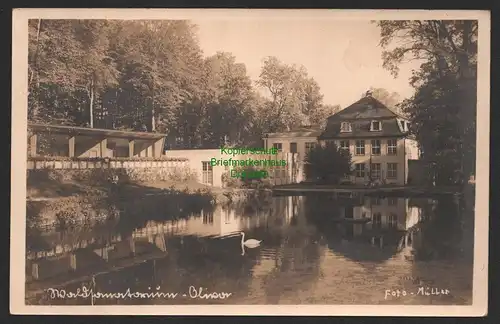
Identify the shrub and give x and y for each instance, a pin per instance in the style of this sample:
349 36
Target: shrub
246 182
327 163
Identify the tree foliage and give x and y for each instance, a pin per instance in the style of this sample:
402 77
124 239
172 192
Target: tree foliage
389 99
443 109
294 97
327 163
152 76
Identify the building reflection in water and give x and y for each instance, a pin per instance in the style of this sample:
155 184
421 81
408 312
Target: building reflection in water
387 216
303 237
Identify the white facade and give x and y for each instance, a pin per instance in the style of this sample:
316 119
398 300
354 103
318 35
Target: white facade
392 160
199 164
296 142
390 163
287 139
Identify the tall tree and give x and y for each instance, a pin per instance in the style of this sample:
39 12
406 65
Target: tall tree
390 99
232 94
294 96
163 64
152 76
448 52
319 117
51 44
93 69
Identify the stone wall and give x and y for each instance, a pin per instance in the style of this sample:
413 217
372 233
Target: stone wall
103 163
103 169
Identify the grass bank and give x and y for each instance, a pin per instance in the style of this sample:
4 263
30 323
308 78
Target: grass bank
55 197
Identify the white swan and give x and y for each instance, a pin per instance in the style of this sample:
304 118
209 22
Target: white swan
250 243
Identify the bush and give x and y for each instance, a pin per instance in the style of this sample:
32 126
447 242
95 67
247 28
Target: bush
327 164
246 182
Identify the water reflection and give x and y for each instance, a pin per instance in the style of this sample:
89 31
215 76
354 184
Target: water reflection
315 249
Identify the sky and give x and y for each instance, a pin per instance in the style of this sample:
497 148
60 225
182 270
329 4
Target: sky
343 56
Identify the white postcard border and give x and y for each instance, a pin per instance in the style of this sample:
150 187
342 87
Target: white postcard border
19 163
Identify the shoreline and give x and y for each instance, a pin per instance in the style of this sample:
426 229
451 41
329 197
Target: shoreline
50 202
413 190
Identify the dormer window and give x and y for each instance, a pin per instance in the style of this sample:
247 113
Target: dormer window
404 125
345 127
375 126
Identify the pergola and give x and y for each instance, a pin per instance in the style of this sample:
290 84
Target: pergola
93 142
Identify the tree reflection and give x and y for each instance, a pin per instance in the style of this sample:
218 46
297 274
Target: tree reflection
441 233
295 253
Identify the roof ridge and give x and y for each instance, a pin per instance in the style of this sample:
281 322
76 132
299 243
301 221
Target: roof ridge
364 102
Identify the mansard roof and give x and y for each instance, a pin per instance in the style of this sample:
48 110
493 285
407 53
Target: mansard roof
360 115
366 107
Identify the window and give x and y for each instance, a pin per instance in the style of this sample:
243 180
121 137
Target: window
401 125
278 146
376 147
393 220
359 169
377 220
310 146
375 126
392 145
360 147
344 145
208 218
207 173
375 201
293 147
392 170
345 127
392 201
375 170
405 126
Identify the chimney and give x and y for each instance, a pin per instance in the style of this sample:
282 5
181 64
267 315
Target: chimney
369 93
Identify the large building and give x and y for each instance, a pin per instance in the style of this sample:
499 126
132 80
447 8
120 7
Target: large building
378 140
299 140
81 142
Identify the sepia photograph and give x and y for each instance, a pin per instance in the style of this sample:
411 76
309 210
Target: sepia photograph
250 162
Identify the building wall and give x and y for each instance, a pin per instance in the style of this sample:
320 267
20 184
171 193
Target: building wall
92 151
404 149
412 153
197 156
195 159
301 144
301 151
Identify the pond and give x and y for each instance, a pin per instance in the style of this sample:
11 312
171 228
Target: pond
315 249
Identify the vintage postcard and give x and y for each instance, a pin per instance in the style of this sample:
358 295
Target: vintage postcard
250 162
